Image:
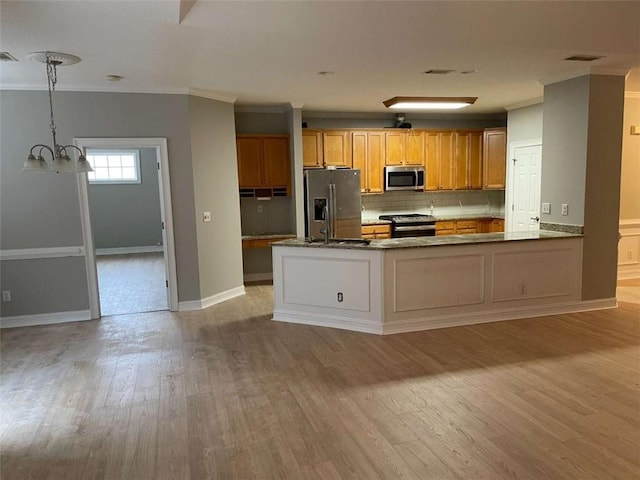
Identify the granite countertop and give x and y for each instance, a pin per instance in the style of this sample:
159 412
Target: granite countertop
374 221
421 242
261 236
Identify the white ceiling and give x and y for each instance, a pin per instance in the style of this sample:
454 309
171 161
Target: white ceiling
269 53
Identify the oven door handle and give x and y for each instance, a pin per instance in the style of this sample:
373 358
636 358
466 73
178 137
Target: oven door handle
411 228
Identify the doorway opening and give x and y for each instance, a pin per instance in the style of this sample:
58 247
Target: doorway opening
127 226
124 202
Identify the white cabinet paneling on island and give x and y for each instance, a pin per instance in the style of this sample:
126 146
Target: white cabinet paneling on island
402 285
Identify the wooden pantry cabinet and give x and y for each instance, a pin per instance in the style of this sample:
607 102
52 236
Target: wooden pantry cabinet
368 153
404 147
494 158
263 161
467 166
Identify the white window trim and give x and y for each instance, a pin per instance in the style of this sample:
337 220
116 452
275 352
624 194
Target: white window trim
117 181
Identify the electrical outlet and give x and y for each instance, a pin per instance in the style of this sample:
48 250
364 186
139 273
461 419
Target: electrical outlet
6 296
260 208
546 208
565 209
206 217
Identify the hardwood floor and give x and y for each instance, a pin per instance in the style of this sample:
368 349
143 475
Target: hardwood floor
226 393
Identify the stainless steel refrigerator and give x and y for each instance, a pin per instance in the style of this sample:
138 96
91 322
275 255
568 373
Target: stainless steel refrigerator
336 195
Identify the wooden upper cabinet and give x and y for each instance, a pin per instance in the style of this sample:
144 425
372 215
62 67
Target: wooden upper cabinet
276 161
404 147
375 165
414 148
263 161
468 160
336 147
368 157
439 153
311 148
249 151
394 145
431 161
494 159
446 153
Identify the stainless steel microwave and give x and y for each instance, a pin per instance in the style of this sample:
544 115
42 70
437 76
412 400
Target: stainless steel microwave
404 178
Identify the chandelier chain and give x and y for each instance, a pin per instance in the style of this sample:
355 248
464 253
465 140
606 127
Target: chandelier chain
52 79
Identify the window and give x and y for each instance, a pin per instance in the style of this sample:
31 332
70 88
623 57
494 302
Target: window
114 166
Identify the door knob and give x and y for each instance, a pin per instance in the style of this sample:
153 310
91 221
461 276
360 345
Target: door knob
537 219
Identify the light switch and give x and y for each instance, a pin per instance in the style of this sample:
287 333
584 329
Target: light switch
565 209
546 208
206 217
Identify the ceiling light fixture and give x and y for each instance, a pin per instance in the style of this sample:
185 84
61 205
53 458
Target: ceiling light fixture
429 103
60 159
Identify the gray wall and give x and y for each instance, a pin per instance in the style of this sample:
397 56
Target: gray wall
215 181
524 124
41 210
128 215
564 149
264 123
582 152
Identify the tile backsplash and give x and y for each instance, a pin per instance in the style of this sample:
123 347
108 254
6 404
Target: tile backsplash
459 202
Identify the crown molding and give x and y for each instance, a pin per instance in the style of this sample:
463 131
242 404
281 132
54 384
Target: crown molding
296 105
524 103
212 95
593 70
260 108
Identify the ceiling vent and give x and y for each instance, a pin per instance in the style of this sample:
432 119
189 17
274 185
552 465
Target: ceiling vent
437 72
583 58
7 57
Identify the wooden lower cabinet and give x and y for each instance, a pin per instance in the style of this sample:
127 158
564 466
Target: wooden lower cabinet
446 228
461 227
376 231
497 225
262 242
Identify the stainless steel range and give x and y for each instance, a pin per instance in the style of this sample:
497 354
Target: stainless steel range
411 225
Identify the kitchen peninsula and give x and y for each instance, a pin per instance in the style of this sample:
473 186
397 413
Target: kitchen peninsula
401 285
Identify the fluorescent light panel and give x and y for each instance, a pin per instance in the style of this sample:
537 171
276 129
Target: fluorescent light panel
429 103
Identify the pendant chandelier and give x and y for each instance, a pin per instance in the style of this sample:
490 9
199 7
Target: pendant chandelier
60 160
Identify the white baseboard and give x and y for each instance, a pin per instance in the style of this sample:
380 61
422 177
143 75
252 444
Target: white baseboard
125 250
212 300
442 321
44 319
365 326
258 277
628 273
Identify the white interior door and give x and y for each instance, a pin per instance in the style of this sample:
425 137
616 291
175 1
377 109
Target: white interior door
526 167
